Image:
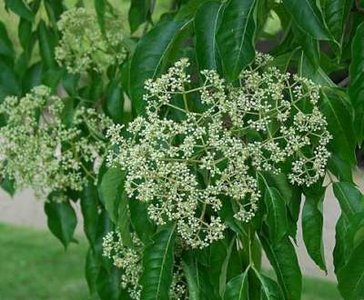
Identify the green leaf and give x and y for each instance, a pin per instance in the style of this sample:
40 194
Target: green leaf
270 288
111 189
283 258
116 203
339 117
237 288
336 14
307 15
47 43
276 214
309 69
21 8
340 168
115 101
32 77
206 24
8 185
100 7
92 269
213 267
356 82
157 274
6 46
54 9
9 82
235 37
350 199
340 253
61 219
139 13
140 220
190 270
312 224
148 58
89 208
108 284
25 34
351 276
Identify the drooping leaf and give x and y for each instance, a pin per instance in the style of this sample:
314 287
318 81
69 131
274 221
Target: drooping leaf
108 283
283 258
235 37
100 8
92 269
340 168
310 69
349 237
9 82
89 208
339 117
270 288
110 190
139 13
148 58
114 104
54 9
47 42
237 288
6 46
307 15
61 219
336 13
32 76
191 272
140 220
350 199
356 82
312 224
212 266
351 276
113 195
206 25
8 185
21 8
158 259
276 214
340 253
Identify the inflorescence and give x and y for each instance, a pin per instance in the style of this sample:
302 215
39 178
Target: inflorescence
38 150
199 148
84 46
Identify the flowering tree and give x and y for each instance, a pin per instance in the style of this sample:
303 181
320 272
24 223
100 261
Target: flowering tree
189 151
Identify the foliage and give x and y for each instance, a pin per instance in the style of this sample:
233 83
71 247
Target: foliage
95 63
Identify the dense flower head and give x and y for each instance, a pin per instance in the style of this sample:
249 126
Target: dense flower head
200 147
38 150
84 46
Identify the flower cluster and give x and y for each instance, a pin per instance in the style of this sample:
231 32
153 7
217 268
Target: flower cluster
84 46
38 150
199 147
129 260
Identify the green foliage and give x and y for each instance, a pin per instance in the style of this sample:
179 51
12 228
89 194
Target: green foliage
320 40
236 36
158 266
61 218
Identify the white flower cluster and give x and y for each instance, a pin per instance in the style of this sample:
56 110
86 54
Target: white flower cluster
84 46
129 259
38 150
197 147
